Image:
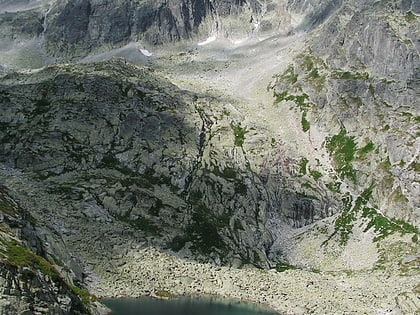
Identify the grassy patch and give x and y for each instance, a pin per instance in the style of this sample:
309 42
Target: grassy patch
334 186
342 149
303 166
283 266
410 17
344 224
369 147
381 224
312 66
280 97
6 206
347 75
305 123
85 296
239 133
289 75
22 257
385 226
315 174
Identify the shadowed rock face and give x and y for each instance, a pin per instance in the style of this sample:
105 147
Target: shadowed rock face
75 27
131 148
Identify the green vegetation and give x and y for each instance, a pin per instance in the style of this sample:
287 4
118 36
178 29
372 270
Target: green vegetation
302 166
203 231
343 148
334 186
145 225
280 97
289 75
315 174
305 123
164 294
239 133
410 17
347 75
6 206
415 166
398 196
85 296
344 223
369 147
22 257
300 100
384 226
312 65
283 266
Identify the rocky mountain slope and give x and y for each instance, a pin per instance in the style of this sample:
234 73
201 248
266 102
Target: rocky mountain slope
289 138
32 279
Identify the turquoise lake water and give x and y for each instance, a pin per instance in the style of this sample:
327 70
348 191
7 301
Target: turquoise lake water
185 306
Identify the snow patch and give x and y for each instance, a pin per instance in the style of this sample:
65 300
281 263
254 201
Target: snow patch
207 41
145 52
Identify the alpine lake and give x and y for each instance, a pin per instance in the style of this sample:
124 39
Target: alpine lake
185 305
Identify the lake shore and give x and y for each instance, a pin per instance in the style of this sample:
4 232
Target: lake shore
146 271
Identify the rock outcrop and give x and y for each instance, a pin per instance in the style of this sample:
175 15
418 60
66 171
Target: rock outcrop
30 283
114 142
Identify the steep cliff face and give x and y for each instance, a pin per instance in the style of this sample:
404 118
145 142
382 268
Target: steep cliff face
114 23
361 112
69 29
30 283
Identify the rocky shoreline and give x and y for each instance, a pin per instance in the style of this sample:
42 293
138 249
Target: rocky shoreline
294 291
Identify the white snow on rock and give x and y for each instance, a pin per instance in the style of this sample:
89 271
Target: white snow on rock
207 41
146 52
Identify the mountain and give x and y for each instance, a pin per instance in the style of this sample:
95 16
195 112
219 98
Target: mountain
211 134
